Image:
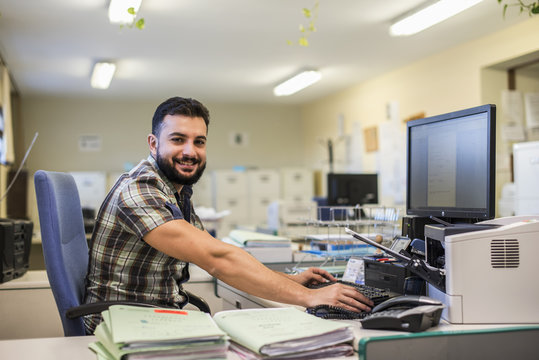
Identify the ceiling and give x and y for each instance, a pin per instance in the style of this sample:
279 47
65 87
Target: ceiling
217 50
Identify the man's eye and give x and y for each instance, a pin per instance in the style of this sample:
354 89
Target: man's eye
200 142
177 140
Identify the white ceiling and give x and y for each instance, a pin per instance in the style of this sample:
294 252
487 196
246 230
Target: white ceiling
219 50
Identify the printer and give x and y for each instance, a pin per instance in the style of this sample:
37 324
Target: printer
489 270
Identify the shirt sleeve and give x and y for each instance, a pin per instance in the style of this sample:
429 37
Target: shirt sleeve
143 206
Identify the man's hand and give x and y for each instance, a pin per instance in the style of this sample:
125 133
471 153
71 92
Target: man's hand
312 276
341 295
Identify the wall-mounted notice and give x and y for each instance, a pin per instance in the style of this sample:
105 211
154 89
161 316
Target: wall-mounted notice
90 143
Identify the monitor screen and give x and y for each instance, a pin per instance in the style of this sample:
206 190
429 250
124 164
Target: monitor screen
352 189
451 164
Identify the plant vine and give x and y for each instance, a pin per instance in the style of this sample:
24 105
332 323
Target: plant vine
139 24
531 8
311 15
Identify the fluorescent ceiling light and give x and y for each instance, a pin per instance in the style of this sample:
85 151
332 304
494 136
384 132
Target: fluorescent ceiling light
102 75
425 17
118 11
297 83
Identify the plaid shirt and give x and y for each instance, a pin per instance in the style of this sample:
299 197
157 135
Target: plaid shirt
122 265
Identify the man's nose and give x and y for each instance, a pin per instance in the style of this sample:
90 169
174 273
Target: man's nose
189 148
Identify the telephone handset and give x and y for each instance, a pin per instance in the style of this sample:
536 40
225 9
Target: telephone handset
406 312
405 302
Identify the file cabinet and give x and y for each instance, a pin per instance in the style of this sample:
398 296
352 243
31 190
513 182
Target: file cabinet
229 190
263 189
247 194
297 185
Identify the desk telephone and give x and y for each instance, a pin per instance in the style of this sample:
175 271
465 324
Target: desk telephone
391 312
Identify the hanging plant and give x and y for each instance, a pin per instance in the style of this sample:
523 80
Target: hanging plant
311 16
139 24
531 8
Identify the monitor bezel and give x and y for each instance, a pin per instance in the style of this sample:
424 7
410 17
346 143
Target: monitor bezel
453 212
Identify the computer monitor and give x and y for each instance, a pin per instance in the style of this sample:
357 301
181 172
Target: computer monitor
451 165
352 189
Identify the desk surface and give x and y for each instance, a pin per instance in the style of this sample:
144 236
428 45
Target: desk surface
68 348
58 348
30 280
63 348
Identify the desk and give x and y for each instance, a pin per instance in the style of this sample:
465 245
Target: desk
64 348
445 341
406 347
28 309
57 348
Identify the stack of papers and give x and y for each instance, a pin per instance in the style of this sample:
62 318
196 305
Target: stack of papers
264 247
131 332
338 245
255 239
284 333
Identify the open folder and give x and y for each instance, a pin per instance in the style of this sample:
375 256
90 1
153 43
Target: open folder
130 332
284 333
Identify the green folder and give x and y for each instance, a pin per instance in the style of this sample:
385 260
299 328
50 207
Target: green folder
278 331
128 331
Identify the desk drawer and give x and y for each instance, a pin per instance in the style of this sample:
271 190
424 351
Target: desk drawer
232 300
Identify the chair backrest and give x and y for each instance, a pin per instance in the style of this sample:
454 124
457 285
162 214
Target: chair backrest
65 248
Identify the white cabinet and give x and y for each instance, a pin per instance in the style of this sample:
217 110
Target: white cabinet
263 182
230 193
247 194
28 308
202 192
297 185
263 189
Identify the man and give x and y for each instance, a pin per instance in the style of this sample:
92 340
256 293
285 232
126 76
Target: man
146 231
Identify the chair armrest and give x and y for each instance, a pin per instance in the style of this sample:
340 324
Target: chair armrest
98 307
198 302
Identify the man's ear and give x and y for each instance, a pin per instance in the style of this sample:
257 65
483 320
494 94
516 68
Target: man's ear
152 144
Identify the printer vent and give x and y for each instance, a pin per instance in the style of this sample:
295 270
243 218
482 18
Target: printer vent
504 253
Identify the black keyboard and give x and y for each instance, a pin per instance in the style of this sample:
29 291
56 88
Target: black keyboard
377 295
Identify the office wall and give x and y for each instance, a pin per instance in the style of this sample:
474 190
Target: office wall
123 126
447 81
271 133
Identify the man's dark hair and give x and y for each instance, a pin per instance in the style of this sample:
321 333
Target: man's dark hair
179 106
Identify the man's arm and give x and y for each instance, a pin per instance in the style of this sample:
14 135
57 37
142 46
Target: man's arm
179 239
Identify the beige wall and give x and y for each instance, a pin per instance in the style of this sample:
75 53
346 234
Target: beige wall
272 133
448 81
277 135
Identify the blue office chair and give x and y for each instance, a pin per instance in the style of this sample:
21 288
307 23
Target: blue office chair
65 250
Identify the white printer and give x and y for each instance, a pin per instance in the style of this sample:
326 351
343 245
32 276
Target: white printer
491 270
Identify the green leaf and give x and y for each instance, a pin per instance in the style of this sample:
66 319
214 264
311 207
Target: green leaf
306 12
131 10
535 9
140 24
301 28
504 10
303 41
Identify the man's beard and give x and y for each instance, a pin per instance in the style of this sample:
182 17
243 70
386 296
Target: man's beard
174 176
